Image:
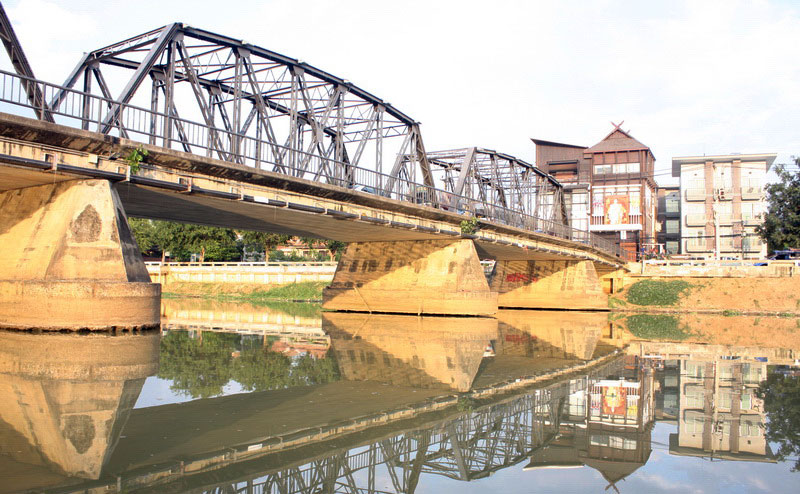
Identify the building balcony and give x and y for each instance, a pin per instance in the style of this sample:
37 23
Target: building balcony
695 220
695 194
752 193
723 193
696 245
752 220
724 219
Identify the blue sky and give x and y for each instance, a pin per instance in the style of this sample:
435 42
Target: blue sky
687 77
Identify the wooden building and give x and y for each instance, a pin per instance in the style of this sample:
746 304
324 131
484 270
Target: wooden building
615 176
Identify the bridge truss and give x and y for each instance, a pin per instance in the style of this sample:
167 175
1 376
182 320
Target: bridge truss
210 95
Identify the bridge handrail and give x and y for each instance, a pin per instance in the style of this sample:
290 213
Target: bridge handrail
149 126
241 264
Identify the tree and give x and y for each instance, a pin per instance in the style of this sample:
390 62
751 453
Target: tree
335 247
781 395
264 240
144 233
781 226
182 240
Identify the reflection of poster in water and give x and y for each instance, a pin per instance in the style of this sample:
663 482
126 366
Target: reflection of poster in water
614 400
616 210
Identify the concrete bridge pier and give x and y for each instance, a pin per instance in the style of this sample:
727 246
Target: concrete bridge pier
68 260
411 277
548 285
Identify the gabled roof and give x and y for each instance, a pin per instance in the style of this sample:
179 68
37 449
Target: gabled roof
617 140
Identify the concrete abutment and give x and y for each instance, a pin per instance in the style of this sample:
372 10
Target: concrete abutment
69 261
411 277
548 285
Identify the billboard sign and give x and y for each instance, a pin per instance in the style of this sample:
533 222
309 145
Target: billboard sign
616 209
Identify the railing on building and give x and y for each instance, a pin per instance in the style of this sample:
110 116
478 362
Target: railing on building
695 195
86 111
695 220
752 192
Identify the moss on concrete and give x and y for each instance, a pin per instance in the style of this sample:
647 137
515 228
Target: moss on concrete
657 292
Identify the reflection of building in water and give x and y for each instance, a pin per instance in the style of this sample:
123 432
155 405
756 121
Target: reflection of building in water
720 415
65 401
409 350
607 424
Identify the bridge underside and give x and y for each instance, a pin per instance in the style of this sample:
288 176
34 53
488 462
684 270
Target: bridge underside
406 258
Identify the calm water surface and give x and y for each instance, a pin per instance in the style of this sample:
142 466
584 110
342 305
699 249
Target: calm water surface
233 398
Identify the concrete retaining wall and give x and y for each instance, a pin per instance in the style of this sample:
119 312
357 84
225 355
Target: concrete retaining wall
269 273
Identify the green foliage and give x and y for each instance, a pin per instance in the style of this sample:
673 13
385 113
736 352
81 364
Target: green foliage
262 241
296 309
470 226
781 225
656 327
614 302
465 404
307 290
731 312
135 158
182 240
781 395
655 292
197 367
335 247
201 367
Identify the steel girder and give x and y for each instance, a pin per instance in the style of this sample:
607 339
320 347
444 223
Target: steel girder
254 107
480 179
20 63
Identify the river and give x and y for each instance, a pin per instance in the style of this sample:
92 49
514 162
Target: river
285 398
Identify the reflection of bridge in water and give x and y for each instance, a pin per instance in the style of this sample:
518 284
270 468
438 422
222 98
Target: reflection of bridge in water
465 446
385 436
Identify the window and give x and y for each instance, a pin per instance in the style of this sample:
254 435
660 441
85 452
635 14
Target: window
673 203
602 169
672 247
673 226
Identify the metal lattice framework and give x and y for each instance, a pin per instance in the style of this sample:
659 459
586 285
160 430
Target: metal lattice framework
211 95
481 179
256 107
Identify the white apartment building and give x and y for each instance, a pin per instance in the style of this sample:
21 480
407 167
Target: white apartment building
722 201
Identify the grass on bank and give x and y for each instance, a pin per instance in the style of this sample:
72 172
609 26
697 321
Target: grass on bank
657 327
657 292
308 291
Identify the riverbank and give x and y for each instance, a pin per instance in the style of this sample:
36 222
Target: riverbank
726 296
306 291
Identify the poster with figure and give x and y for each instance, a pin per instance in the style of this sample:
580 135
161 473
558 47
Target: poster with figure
614 400
616 210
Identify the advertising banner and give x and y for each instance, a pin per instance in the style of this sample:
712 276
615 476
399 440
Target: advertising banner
614 400
616 210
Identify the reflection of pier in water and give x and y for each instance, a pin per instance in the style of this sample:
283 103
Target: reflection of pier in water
362 435
66 399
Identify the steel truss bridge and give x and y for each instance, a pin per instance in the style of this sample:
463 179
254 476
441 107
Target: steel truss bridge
469 447
191 90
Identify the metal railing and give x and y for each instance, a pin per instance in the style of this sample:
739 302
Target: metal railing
86 111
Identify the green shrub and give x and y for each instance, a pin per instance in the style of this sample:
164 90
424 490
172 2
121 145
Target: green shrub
731 312
653 292
656 327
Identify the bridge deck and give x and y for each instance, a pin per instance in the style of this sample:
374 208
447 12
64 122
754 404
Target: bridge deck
184 187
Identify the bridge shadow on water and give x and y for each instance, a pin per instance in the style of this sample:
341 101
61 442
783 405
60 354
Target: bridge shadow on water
360 403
